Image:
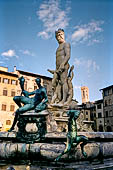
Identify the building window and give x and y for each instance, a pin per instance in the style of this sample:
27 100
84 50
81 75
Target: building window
100 128
110 103
12 107
86 113
12 93
110 113
13 82
6 81
110 91
0 79
87 119
35 86
99 115
5 92
86 95
94 114
106 113
107 121
105 103
109 129
8 122
99 106
4 107
106 93
83 94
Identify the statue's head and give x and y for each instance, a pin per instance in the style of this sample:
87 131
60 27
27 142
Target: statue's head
38 81
73 113
59 34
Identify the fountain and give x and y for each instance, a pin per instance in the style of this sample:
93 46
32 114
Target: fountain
53 139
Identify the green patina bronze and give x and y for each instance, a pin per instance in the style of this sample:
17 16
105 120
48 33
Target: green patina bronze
30 137
37 103
72 138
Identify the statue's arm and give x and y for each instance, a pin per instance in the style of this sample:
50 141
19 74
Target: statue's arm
28 93
21 81
51 71
71 74
45 97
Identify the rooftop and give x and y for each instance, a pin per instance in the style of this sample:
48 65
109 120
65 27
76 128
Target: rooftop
33 74
111 86
8 73
99 101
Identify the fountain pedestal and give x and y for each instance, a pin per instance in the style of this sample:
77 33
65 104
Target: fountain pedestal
32 126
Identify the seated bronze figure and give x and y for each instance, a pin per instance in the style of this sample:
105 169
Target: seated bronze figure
38 102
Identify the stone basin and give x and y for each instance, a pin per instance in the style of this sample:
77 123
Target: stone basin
100 147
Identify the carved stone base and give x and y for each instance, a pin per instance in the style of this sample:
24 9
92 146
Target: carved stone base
28 134
59 120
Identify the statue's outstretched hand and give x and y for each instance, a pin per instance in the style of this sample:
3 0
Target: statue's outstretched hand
51 71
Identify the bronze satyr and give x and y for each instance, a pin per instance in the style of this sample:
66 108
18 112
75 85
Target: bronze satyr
72 138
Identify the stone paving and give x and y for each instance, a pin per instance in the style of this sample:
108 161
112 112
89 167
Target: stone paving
95 165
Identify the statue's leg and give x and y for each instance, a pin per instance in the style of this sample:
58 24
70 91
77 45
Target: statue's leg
17 100
59 89
54 80
64 78
65 91
22 99
57 94
70 92
84 141
67 149
26 108
14 121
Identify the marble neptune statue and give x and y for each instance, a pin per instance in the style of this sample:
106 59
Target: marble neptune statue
62 76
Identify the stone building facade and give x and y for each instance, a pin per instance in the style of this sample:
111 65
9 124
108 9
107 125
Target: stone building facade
9 87
88 108
99 115
108 108
93 113
89 112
